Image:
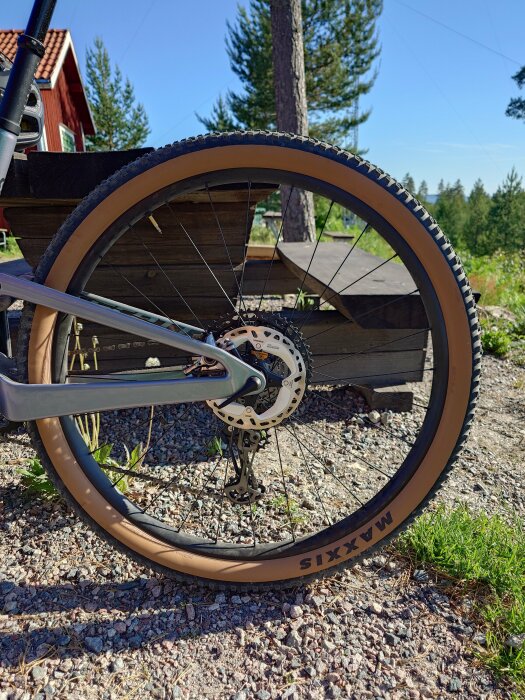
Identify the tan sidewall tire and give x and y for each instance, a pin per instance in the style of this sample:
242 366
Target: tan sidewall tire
405 223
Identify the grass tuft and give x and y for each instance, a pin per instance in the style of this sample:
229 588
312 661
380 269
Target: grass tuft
486 554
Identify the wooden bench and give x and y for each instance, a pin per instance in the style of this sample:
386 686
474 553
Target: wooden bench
42 189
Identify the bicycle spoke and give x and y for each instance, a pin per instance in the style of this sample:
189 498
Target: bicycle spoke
312 258
197 497
172 285
312 479
374 347
223 496
147 298
212 273
292 527
225 247
363 315
366 228
324 436
375 376
348 286
375 425
246 240
281 228
326 468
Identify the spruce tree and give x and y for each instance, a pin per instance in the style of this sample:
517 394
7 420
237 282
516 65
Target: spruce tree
340 50
121 123
408 183
507 215
451 211
422 193
477 229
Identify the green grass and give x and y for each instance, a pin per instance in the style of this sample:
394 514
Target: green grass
261 235
485 555
11 250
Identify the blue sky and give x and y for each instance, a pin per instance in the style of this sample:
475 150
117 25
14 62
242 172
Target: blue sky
438 103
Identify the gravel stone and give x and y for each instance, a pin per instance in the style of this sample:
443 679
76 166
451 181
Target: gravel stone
296 612
38 673
454 685
375 631
94 644
294 640
515 641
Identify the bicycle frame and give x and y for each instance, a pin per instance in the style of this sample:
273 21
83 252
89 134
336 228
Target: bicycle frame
20 402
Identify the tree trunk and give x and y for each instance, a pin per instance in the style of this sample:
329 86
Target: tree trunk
297 206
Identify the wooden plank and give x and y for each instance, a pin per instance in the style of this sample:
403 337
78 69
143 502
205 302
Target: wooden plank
392 398
272 277
371 369
358 288
74 175
329 332
257 251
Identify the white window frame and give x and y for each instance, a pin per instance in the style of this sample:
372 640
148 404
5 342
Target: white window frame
65 130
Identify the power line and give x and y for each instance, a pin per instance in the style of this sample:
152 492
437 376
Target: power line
455 31
139 27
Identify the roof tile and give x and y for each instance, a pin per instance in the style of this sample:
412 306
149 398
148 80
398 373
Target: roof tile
53 43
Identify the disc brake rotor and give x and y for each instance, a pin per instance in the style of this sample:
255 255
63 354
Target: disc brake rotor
266 347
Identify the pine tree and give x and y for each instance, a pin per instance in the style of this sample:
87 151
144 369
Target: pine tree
297 205
516 107
340 49
121 123
477 229
507 215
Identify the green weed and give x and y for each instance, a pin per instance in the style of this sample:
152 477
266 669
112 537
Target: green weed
288 506
486 555
11 249
112 467
304 301
36 480
215 447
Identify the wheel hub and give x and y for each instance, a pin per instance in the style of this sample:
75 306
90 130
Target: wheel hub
274 347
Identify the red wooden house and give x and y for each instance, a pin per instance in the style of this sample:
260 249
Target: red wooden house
67 116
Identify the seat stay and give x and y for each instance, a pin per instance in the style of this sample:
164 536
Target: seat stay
20 402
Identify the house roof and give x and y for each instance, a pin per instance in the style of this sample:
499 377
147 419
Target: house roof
59 54
54 43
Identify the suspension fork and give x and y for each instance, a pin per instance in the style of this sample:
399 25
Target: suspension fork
30 51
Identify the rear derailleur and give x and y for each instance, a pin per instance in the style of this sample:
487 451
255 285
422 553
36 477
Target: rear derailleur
243 488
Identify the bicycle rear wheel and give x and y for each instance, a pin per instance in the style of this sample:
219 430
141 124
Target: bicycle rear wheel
303 477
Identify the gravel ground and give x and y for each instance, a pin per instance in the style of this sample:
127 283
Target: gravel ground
81 621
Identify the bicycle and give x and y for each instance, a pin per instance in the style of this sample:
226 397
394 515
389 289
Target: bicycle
232 455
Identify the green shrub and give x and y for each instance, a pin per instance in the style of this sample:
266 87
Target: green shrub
496 341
